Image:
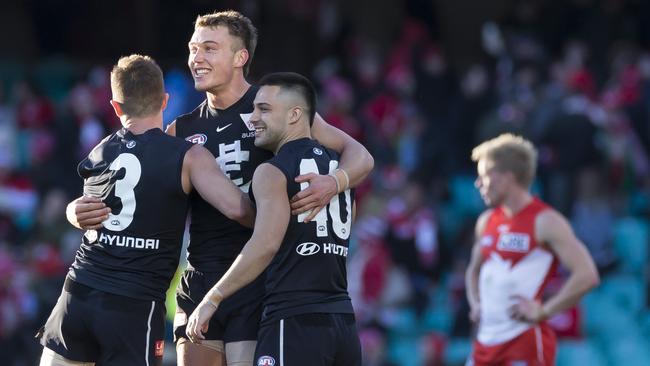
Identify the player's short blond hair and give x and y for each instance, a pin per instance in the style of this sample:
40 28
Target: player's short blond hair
137 85
239 26
510 153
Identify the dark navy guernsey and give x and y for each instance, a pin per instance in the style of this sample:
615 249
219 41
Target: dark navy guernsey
308 273
137 251
215 240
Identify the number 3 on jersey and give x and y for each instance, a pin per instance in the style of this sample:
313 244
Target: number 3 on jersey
333 209
124 190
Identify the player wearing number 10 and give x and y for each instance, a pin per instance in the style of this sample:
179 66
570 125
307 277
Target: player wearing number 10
111 310
308 317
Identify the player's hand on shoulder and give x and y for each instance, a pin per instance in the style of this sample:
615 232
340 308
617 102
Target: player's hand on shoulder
87 213
320 191
199 320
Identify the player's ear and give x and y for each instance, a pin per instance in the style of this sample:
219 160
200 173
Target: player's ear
164 102
241 57
117 107
294 114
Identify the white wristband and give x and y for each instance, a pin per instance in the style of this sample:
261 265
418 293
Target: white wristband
347 179
336 179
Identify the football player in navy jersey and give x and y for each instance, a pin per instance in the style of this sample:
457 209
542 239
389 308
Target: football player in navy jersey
111 310
308 317
221 50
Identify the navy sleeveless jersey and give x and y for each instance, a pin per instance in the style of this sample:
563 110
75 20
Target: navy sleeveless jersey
137 251
308 273
215 240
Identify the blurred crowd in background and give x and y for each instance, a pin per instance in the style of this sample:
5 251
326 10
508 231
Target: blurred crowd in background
572 76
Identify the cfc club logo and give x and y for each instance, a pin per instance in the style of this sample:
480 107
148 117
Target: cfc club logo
266 361
308 248
199 138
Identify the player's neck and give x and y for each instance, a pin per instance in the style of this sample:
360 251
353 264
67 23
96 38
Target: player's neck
516 201
139 126
292 136
227 95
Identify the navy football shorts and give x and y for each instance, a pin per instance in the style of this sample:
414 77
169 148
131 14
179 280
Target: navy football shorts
237 318
90 325
309 339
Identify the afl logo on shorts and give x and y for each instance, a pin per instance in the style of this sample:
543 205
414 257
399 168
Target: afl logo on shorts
130 144
266 361
199 138
318 151
308 248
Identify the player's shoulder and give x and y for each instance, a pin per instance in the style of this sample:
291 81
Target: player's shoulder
196 113
482 221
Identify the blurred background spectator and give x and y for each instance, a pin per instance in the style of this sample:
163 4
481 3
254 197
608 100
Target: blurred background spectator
419 82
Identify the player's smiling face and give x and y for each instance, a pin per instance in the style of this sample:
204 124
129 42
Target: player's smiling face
269 117
211 59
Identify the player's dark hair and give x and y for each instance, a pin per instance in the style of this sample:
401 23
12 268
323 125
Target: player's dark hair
238 26
137 85
297 83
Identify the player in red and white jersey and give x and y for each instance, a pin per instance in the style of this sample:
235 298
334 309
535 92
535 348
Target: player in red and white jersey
519 243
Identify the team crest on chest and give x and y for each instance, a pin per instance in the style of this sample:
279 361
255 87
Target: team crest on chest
198 138
246 117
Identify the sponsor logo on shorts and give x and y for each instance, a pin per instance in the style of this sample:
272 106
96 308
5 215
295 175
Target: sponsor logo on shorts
198 138
266 361
514 242
160 348
308 248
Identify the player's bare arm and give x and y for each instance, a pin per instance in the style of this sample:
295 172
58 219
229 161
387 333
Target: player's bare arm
87 213
355 165
554 231
269 185
202 172
474 268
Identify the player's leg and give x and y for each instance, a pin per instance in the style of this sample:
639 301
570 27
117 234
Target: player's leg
189 293
208 353
240 353
51 358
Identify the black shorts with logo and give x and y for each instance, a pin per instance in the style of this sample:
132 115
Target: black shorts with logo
90 325
317 339
237 318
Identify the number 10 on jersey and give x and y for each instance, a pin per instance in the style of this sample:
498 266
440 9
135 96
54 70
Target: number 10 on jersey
333 209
